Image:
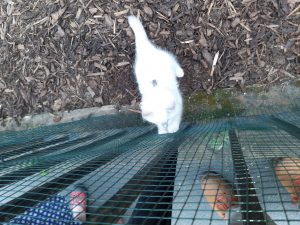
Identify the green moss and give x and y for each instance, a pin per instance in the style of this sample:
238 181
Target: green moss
231 102
202 106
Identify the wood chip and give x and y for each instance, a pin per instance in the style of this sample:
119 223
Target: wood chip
55 16
123 64
57 105
148 10
108 21
99 100
90 90
207 56
121 13
96 74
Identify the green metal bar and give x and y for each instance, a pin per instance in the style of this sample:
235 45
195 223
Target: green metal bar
252 212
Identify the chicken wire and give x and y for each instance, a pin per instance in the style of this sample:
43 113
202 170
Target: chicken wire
144 178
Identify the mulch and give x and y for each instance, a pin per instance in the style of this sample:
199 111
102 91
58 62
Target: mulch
62 55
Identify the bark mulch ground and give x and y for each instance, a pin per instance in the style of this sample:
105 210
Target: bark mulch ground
62 55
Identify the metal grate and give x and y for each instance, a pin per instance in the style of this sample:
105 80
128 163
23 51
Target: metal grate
134 174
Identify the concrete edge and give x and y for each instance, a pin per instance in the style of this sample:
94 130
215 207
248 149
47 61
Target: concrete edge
48 119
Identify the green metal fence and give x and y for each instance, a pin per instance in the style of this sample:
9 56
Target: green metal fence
140 177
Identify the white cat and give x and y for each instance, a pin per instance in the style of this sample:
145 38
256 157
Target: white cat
156 72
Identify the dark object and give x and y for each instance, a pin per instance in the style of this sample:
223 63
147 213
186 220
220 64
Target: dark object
154 83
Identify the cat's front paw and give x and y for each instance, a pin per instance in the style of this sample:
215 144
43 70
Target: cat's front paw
162 128
162 132
172 128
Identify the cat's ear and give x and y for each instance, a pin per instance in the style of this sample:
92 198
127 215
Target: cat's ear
179 71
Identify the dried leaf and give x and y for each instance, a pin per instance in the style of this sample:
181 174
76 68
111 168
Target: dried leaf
57 105
248 2
93 10
237 77
203 40
21 47
123 64
148 10
175 8
60 32
55 16
56 119
100 66
2 85
207 56
99 100
120 13
9 9
8 90
292 3
90 90
95 74
108 21
235 22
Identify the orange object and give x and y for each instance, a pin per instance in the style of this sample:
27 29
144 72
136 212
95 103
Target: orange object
288 173
219 193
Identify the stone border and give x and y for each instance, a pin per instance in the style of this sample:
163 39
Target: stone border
48 119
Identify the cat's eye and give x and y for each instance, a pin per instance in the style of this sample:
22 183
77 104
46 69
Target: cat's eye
154 83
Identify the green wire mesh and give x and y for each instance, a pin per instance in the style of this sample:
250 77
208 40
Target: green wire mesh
135 176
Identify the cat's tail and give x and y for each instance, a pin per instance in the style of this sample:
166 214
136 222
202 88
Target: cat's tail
138 29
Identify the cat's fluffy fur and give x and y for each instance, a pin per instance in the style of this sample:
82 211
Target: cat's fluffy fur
156 72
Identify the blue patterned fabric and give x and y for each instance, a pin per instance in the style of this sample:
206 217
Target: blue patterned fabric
54 211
